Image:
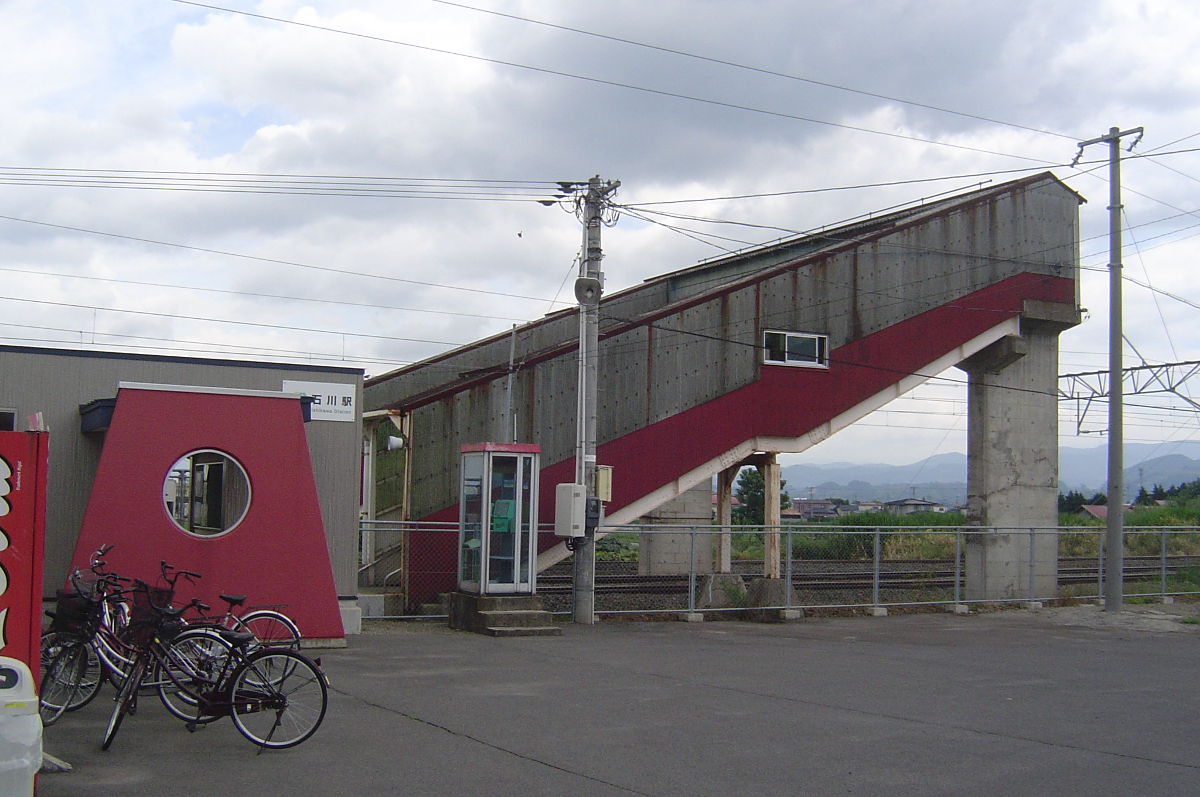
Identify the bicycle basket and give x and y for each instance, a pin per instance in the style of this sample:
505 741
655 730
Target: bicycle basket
75 614
87 586
149 603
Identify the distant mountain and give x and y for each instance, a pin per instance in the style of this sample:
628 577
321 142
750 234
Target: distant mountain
1168 464
943 477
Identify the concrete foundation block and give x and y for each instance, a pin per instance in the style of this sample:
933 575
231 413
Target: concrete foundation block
788 615
768 599
691 617
1032 606
958 608
370 605
721 591
1168 599
878 611
351 616
317 643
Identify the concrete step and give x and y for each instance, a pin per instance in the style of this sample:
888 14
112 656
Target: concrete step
536 630
519 618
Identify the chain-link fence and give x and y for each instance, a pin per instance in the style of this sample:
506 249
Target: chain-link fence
646 569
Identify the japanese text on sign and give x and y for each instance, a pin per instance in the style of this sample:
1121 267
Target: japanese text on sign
332 401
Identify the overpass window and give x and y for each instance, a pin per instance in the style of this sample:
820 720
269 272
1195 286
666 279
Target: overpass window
796 348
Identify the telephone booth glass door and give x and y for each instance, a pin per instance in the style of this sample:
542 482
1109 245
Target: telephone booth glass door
498 518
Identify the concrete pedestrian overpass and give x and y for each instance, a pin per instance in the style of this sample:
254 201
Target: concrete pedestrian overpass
774 349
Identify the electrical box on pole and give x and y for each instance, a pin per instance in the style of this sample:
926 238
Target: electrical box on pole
570 502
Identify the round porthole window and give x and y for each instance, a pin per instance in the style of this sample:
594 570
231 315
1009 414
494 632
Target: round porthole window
206 493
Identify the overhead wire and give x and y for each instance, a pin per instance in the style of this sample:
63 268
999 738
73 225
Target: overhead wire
276 261
611 83
748 68
252 294
260 324
201 346
296 184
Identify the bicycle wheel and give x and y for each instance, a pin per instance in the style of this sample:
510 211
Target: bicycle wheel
272 629
192 665
125 700
69 681
278 697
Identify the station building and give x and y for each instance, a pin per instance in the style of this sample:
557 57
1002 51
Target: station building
204 475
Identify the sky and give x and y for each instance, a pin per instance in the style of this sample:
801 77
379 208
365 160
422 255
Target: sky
356 182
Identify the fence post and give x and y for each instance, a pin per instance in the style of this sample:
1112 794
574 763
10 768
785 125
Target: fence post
957 567
1163 557
787 587
875 579
692 572
1032 555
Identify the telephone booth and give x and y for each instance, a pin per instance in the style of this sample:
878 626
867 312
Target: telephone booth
498 499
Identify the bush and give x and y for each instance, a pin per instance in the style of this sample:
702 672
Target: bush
617 547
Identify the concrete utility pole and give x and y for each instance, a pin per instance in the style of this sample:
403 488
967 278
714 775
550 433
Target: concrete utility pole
588 289
1114 537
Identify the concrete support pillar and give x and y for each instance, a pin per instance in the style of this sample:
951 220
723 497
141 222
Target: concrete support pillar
675 553
769 469
723 553
1012 466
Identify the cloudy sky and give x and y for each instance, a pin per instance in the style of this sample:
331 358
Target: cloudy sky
356 180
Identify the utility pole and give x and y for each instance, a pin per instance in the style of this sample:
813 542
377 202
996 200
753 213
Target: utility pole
588 289
1114 537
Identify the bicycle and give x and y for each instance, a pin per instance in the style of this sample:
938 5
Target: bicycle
276 697
270 627
72 669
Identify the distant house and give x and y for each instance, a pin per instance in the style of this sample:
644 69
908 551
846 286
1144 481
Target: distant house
814 508
1099 511
870 506
911 506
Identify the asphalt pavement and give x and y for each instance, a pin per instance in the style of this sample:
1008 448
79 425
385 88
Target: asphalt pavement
1061 702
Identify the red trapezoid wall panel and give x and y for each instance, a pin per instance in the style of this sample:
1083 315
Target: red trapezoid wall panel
276 555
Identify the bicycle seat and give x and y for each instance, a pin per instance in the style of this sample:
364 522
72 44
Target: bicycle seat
234 600
238 639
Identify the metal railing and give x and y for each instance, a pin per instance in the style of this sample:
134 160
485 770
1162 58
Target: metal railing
644 569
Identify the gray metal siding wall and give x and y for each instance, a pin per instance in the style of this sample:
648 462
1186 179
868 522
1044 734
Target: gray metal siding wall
697 353
56 384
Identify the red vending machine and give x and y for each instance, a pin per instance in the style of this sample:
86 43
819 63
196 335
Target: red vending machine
23 459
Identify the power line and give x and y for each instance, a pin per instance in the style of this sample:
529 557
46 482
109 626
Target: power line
252 294
177 317
855 187
276 261
769 72
612 83
207 345
303 185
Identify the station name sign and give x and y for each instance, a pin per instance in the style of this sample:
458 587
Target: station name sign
332 401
